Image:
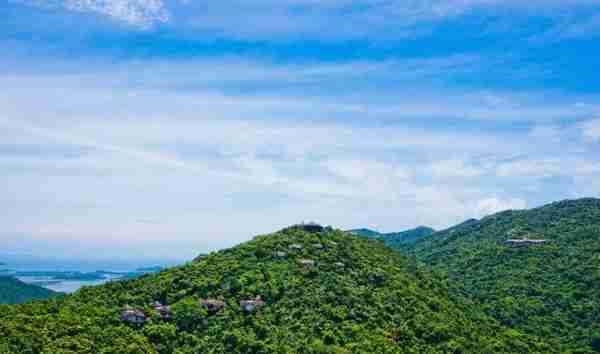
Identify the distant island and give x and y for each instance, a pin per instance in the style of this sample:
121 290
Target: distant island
14 291
79 276
71 281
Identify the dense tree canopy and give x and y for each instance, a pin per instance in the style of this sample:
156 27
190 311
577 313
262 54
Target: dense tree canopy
550 290
324 291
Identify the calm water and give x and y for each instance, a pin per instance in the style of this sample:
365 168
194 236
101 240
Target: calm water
31 264
64 286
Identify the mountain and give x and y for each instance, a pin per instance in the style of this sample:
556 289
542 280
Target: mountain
14 291
550 288
304 289
368 233
395 239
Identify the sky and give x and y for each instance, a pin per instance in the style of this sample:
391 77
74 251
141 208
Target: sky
168 128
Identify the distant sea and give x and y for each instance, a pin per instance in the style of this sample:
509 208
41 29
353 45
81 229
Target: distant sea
26 263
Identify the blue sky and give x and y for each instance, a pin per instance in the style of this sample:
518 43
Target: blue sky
156 128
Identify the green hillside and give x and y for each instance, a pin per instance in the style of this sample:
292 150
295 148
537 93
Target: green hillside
14 291
551 290
324 291
395 239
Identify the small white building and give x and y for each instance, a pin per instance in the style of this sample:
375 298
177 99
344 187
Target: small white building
306 262
251 305
163 311
523 242
280 254
212 305
133 316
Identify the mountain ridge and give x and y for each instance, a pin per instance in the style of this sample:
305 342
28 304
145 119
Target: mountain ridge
294 290
395 239
550 289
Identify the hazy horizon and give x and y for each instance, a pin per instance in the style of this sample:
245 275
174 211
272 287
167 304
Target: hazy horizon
161 129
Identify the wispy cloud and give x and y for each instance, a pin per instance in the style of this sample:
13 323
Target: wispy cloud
591 129
270 19
139 13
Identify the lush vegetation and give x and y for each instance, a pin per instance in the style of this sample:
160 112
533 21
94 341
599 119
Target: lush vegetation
14 291
551 290
356 296
395 239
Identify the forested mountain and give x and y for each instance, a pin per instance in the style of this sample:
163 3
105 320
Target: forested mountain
321 291
547 288
395 239
14 291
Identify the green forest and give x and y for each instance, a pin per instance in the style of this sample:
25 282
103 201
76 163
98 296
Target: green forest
551 290
313 289
321 290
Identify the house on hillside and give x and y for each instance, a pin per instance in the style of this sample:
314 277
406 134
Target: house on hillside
133 316
251 305
164 312
212 305
295 246
523 242
280 255
306 262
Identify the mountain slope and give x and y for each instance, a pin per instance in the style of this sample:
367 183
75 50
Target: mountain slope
324 291
551 290
14 291
395 239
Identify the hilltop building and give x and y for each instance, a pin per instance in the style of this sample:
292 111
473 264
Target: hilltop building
133 316
251 305
212 305
523 242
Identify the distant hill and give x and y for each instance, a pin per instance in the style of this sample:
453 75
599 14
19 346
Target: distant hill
321 291
551 290
14 291
368 233
395 239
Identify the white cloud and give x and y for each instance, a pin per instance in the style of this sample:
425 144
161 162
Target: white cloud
454 168
352 19
140 13
271 19
536 168
211 165
591 130
545 132
493 205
